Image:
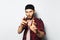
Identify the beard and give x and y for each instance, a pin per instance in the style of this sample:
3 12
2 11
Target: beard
29 17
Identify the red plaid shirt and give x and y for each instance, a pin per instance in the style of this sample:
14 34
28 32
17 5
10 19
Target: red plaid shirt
40 27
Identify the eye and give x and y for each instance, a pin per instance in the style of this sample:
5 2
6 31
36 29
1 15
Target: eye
26 11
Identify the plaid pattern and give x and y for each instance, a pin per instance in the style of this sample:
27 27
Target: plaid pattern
40 27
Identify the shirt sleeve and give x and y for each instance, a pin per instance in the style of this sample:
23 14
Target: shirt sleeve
41 26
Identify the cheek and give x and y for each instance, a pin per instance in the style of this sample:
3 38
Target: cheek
31 14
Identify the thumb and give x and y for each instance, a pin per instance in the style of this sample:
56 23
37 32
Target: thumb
33 21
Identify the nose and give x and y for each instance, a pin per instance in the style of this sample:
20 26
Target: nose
28 13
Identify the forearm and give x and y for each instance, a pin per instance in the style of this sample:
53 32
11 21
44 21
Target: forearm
20 29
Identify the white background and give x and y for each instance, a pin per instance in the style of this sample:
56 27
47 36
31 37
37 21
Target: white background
12 12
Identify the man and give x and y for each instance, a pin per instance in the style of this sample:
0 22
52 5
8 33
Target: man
32 26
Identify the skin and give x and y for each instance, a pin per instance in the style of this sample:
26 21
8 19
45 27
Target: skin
29 13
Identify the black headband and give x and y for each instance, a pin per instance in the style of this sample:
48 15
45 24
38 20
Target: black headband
29 6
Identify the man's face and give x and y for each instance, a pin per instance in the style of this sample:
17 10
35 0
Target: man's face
29 13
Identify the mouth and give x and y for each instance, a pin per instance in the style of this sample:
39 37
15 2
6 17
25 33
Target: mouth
29 18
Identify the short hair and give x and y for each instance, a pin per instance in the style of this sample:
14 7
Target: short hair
29 6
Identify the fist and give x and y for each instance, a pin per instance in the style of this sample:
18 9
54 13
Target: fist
24 22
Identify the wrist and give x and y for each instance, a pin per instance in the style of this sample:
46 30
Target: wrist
37 31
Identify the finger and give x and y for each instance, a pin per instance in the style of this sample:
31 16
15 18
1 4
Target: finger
35 28
24 18
34 22
24 21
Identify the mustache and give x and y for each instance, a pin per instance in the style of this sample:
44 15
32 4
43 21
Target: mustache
27 18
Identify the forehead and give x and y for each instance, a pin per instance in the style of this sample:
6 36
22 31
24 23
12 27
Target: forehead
28 10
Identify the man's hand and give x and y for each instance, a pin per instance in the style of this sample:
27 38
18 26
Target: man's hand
32 26
24 22
39 33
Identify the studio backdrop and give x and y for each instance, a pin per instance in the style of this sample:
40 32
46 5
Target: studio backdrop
12 12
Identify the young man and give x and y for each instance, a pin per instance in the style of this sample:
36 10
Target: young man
32 26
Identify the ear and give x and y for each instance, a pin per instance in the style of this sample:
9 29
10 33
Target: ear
34 11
